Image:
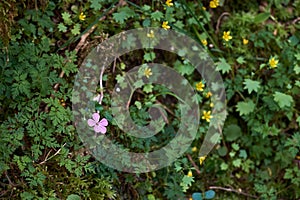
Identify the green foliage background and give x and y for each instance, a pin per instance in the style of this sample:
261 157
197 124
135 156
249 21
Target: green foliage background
41 156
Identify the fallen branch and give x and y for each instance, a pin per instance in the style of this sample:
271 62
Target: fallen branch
194 164
239 191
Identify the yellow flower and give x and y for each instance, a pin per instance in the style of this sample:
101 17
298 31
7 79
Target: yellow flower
151 34
82 16
203 8
211 104
190 174
207 115
273 62
226 36
194 149
201 159
147 72
165 25
169 3
199 86
214 3
245 41
209 94
204 42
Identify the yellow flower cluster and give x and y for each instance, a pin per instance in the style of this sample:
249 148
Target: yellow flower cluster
200 86
169 3
82 16
273 62
226 36
151 34
165 25
214 3
207 115
147 72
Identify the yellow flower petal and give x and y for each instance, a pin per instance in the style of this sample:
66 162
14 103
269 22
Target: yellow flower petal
201 159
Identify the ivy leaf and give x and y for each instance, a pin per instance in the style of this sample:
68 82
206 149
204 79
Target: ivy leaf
67 18
244 108
76 29
283 99
157 15
123 14
251 85
223 66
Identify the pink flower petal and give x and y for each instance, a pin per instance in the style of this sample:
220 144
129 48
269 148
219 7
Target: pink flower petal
96 117
103 122
100 129
91 123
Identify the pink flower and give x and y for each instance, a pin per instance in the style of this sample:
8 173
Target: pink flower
99 126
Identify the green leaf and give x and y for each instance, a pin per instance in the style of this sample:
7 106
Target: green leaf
96 4
244 108
298 120
297 69
222 151
232 132
224 166
76 29
62 27
138 104
148 88
73 197
261 17
123 14
67 18
251 85
283 99
157 15
237 162
240 60
149 56
223 66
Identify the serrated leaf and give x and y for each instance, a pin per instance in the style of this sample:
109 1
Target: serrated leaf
67 18
62 28
148 88
157 15
251 85
224 166
95 4
223 66
240 60
123 14
297 69
76 29
261 17
149 56
244 108
283 99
